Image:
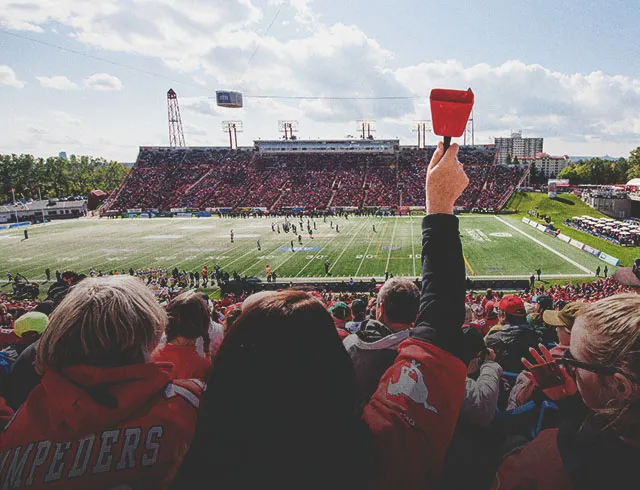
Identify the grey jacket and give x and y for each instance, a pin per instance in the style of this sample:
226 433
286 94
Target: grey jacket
481 395
372 350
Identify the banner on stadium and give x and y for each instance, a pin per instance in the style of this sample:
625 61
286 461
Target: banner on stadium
134 211
576 243
178 210
609 259
183 215
533 223
211 210
4 227
564 238
4 218
526 220
203 214
153 210
22 223
145 215
591 250
541 227
549 231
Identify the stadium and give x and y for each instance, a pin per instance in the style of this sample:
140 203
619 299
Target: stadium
363 312
360 200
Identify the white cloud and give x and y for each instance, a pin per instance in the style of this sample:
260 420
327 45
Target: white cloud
211 42
8 77
59 82
533 98
103 82
201 105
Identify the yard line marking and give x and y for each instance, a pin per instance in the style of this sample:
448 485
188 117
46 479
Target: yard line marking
393 234
413 246
535 240
348 245
468 264
364 256
311 260
386 225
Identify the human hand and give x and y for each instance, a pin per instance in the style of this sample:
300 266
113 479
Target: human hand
548 375
445 180
490 355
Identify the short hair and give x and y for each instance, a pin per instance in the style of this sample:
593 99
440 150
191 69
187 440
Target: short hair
188 317
400 299
107 321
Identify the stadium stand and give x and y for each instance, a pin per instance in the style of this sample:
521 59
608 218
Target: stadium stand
200 178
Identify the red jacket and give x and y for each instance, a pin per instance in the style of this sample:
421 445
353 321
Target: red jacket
537 465
90 427
413 413
187 364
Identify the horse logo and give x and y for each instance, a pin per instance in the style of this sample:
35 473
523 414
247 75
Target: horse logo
411 384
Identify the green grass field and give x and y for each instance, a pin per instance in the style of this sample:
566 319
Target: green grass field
494 247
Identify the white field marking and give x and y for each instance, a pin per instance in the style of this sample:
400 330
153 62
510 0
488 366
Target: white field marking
344 249
162 237
245 235
275 268
7 237
501 235
413 247
116 250
20 259
310 261
198 227
364 256
253 250
380 278
562 256
215 249
393 234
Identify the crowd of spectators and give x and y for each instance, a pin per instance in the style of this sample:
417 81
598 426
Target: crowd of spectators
199 178
414 387
626 233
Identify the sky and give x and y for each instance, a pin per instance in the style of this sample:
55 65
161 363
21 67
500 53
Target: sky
92 77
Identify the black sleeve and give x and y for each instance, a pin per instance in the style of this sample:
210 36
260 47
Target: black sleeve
23 377
443 285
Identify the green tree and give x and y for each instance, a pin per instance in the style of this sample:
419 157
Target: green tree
634 164
571 174
516 161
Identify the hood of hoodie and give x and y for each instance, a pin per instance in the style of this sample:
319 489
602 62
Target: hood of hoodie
83 398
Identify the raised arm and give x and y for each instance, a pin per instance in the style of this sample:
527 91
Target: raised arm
443 278
414 411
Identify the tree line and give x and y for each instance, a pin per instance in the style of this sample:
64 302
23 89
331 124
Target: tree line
598 171
57 176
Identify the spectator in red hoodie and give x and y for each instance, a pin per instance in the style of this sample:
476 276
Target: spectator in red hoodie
188 321
103 416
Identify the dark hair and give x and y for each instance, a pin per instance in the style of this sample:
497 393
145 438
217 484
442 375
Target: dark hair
189 318
230 317
280 407
472 343
45 307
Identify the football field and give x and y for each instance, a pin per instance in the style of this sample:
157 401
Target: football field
494 247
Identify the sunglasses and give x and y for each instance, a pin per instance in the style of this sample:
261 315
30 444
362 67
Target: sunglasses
571 364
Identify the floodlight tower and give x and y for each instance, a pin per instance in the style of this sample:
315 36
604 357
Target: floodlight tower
288 128
422 127
176 135
470 130
366 127
233 128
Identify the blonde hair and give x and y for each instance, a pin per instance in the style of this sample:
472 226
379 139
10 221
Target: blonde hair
613 324
107 321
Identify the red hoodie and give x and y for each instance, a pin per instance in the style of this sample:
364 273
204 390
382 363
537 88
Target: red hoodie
187 364
90 427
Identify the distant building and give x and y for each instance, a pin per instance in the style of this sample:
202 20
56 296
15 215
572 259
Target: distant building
547 165
35 210
517 146
62 154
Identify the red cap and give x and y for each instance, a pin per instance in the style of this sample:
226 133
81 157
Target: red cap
512 305
489 309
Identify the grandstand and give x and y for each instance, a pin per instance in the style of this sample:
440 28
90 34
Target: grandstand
306 176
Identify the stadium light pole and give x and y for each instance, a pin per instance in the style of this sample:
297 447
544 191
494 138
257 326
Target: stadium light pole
41 206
